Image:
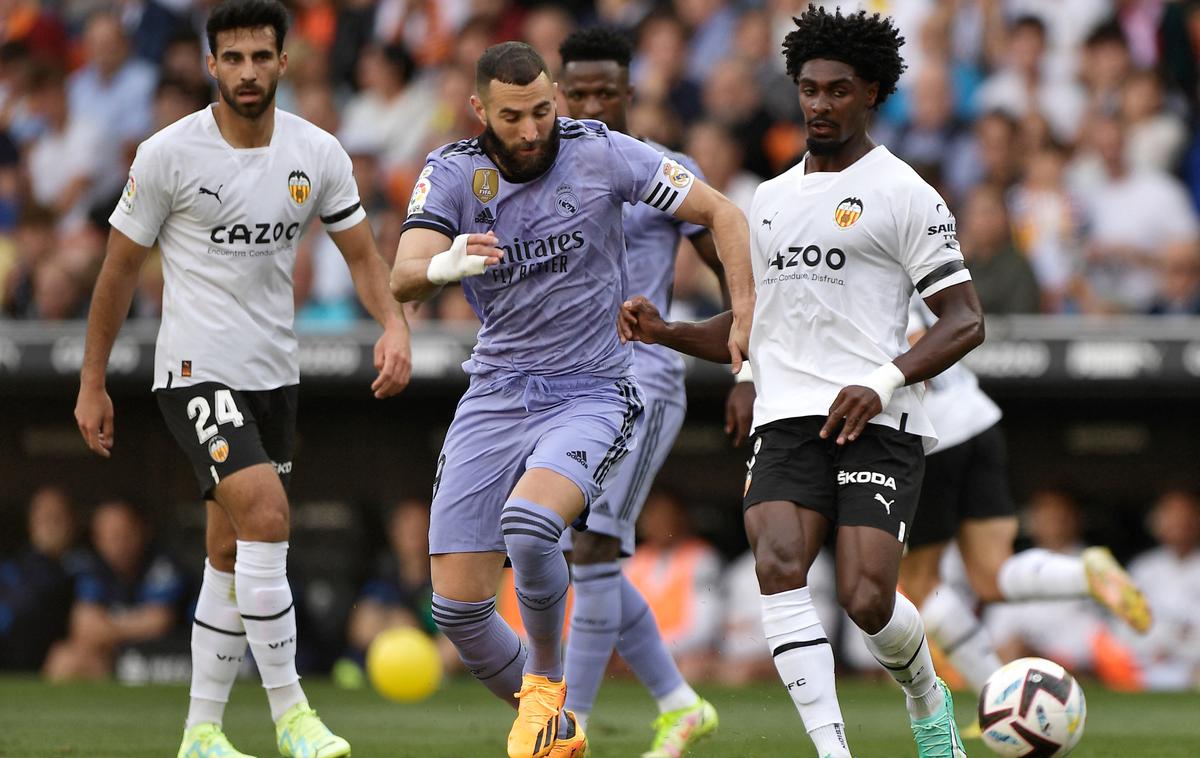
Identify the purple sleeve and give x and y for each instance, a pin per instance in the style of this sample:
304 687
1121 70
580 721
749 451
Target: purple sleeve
436 201
642 174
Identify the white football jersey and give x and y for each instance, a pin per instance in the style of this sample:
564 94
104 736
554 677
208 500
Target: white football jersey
957 407
227 221
836 256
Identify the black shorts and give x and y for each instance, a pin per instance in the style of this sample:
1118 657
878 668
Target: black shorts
873 481
964 482
224 430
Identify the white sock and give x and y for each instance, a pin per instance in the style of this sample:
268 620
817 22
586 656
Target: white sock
1038 574
805 664
682 696
265 602
900 647
218 648
960 635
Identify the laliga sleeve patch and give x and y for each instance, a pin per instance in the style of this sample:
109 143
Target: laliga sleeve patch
128 194
420 192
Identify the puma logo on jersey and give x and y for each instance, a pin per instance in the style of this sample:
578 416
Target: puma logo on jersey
217 194
768 221
887 504
866 477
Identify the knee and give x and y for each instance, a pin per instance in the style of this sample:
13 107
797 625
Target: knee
222 554
869 603
986 585
268 523
589 548
779 568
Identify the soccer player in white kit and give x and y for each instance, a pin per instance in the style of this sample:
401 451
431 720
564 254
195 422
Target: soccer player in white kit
838 245
227 193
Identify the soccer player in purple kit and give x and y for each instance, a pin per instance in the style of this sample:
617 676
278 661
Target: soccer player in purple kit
609 612
528 217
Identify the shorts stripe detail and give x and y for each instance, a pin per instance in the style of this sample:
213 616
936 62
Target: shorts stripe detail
797 645
272 617
645 459
916 652
212 628
620 446
516 655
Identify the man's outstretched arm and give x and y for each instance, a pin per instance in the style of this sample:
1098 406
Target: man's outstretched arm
640 321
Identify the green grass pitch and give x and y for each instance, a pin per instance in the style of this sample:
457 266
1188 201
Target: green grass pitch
111 721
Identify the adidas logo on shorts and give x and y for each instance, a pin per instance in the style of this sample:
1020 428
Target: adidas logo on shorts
578 456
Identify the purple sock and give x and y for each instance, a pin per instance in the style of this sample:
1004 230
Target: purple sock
595 626
541 577
488 646
641 645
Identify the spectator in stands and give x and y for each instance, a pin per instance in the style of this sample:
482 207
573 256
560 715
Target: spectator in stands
1179 280
679 575
544 28
660 72
1169 654
1157 136
388 109
1047 221
176 98
34 241
1061 630
1133 214
37 584
112 89
59 290
720 158
67 161
932 136
992 156
1104 67
130 594
399 592
183 60
1026 83
731 97
1002 276
711 25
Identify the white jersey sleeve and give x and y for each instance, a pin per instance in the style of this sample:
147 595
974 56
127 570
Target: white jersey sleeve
148 197
340 206
928 247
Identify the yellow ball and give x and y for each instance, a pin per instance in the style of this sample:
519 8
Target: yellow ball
403 665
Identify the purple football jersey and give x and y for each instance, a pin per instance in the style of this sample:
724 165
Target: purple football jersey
652 238
550 307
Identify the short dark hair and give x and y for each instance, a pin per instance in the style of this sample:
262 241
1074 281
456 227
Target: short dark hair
868 44
1029 21
510 63
599 43
247 14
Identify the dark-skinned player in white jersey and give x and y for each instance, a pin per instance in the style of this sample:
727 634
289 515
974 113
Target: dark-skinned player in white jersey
226 193
838 245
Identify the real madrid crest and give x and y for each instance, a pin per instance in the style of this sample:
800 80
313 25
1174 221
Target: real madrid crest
566 202
486 184
848 212
299 187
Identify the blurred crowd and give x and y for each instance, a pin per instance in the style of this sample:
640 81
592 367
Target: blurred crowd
1063 133
114 601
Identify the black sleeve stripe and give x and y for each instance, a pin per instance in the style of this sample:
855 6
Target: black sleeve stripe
656 196
333 218
424 220
670 200
940 273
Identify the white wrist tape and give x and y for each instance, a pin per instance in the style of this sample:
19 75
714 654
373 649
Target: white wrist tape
746 374
454 265
884 381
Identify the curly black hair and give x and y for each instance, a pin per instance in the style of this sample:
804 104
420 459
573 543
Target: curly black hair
870 44
599 43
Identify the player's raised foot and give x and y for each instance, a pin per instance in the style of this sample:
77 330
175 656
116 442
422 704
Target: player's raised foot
536 728
571 742
676 731
207 741
1113 588
937 735
300 733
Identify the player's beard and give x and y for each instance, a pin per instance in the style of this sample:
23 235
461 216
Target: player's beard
516 166
254 110
825 146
